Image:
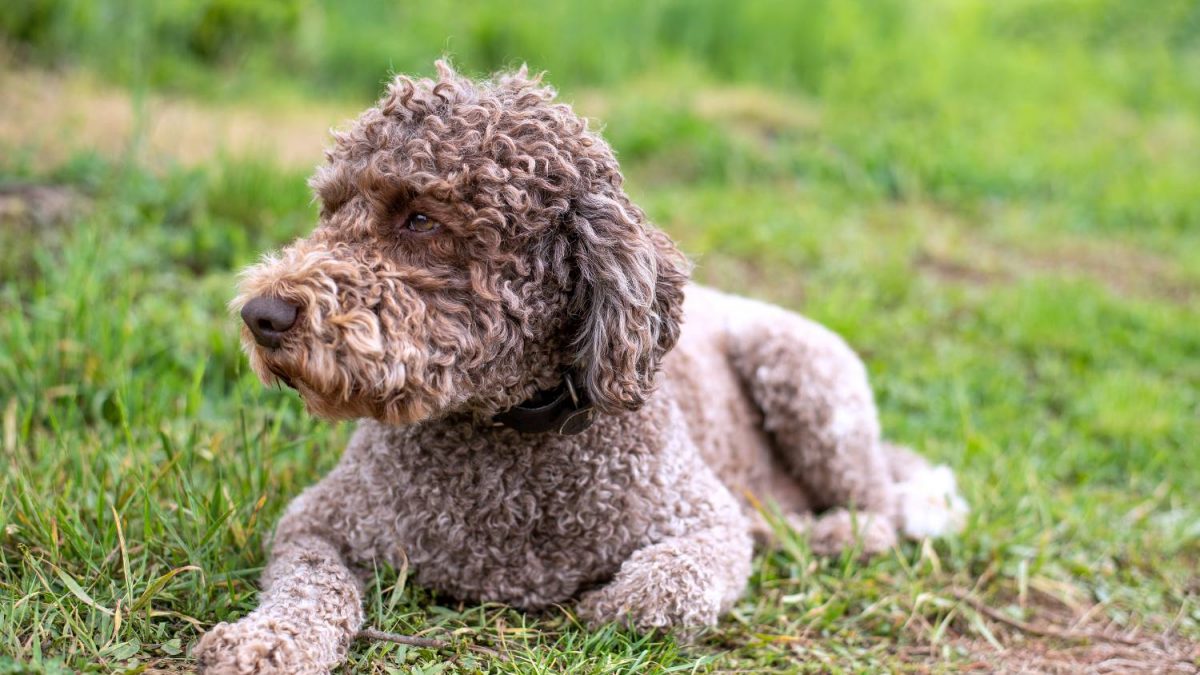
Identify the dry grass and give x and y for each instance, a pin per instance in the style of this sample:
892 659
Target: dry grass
53 116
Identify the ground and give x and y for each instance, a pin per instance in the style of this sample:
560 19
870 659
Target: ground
1014 248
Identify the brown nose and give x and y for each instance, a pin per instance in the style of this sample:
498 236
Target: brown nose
269 318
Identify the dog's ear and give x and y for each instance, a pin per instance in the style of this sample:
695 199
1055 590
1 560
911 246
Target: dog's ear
628 300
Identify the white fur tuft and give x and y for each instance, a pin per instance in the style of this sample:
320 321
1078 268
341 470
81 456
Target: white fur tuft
929 504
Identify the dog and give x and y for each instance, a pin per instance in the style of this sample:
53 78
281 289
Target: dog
549 411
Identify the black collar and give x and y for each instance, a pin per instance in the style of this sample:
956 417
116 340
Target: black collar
565 409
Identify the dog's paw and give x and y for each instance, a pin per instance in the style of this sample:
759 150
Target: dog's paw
257 646
646 612
665 594
929 504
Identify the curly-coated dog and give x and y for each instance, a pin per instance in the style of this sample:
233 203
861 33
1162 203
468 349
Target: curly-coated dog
549 411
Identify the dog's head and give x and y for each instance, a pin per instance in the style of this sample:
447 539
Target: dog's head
474 245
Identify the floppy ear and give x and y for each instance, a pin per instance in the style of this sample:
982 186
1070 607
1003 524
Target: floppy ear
628 297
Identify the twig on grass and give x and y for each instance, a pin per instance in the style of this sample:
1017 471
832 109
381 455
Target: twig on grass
1044 631
426 643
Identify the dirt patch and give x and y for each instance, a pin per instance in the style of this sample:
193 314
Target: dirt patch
1063 634
955 253
54 115
1124 270
28 206
756 113
1154 656
753 113
771 282
946 269
1012 651
32 217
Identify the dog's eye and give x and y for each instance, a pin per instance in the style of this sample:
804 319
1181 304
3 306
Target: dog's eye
419 222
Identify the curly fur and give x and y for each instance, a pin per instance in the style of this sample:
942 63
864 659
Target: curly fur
541 266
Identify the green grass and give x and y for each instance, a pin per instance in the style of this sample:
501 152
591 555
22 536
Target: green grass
998 204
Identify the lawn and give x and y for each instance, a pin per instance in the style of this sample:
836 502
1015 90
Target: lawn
997 204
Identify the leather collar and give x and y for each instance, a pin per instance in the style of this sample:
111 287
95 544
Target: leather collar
565 410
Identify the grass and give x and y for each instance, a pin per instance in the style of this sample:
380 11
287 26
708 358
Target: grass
995 203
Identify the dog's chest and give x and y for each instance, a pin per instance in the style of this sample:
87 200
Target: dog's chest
529 523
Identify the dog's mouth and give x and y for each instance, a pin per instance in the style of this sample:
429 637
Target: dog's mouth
284 378
343 402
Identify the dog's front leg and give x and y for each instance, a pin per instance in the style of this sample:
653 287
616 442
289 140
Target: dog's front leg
310 610
311 603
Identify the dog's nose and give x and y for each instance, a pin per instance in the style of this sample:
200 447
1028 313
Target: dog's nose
268 318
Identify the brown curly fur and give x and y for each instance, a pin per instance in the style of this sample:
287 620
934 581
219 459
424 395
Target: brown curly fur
541 266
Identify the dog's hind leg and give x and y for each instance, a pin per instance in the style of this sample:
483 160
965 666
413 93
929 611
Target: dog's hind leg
818 408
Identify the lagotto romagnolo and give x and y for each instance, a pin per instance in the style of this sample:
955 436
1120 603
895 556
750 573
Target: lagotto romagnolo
549 413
